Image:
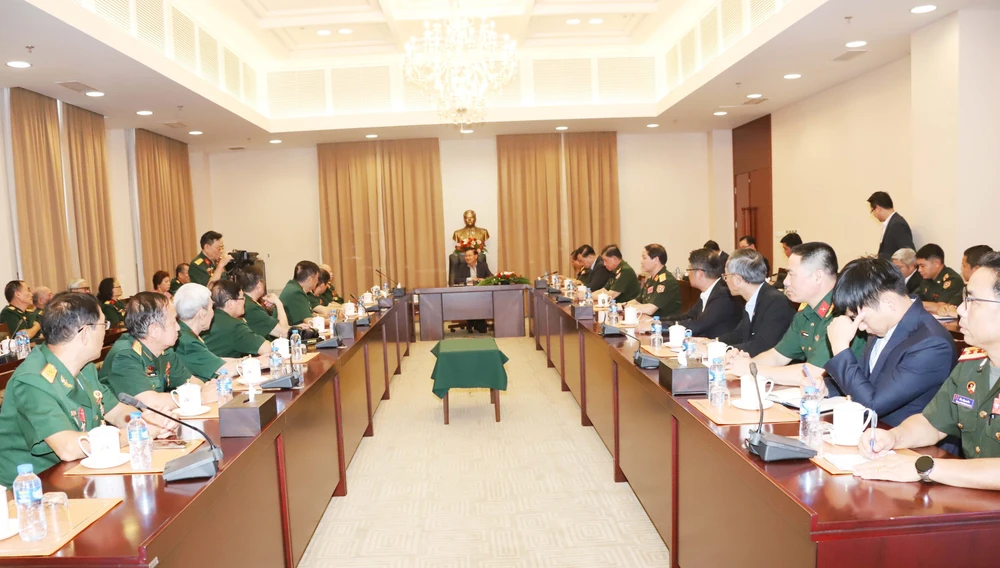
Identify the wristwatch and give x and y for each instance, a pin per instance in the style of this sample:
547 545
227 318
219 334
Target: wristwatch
924 465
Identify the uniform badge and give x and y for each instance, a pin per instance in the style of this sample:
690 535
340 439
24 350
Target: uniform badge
935 296
661 277
49 372
947 284
971 387
817 338
823 309
946 276
65 383
971 354
81 415
649 290
150 371
137 347
167 371
198 261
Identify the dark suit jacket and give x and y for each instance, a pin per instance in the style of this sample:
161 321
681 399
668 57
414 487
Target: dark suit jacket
911 368
897 235
599 276
914 282
721 313
463 272
771 318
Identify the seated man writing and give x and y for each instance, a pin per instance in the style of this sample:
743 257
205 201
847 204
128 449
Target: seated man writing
263 312
812 274
767 314
55 397
716 312
662 294
623 285
908 355
230 335
963 407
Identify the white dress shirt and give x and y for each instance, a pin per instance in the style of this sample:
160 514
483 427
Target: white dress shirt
707 293
752 302
885 223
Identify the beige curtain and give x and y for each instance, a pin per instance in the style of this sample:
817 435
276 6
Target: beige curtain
38 179
592 190
166 205
88 163
528 204
412 211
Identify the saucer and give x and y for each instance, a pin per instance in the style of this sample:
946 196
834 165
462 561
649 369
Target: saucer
738 403
246 382
197 411
93 463
829 439
9 530
677 348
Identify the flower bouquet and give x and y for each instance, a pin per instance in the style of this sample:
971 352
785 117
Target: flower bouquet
470 243
504 278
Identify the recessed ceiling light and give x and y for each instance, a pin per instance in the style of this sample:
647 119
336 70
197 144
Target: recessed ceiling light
18 64
573 21
345 31
754 96
323 32
853 44
652 126
144 112
94 94
275 141
195 133
466 131
923 9
793 76
595 21
562 128
720 113
371 135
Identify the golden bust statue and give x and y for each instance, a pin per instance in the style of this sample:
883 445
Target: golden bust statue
470 230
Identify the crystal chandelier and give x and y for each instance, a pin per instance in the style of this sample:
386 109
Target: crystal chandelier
457 61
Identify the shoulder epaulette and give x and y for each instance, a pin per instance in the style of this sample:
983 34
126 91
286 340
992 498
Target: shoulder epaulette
972 354
137 347
198 261
49 372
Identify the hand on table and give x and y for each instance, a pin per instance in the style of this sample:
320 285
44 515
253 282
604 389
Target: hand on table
739 365
897 467
947 310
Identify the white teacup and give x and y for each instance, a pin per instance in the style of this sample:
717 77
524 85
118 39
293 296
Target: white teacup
350 310
675 334
187 396
249 369
717 350
747 396
603 300
631 315
5 345
283 344
104 442
849 421
318 323
367 298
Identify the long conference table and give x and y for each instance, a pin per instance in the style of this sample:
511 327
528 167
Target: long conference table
714 504
263 506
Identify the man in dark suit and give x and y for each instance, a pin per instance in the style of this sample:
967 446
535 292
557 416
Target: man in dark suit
749 242
599 275
716 312
467 274
714 247
908 355
896 232
767 314
905 259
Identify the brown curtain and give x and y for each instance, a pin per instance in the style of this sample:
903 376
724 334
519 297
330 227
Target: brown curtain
528 204
592 189
38 181
88 163
348 197
412 211
166 205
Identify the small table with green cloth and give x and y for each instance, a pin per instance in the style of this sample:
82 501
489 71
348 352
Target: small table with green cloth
469 364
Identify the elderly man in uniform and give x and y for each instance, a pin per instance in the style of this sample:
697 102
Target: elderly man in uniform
16 314
79 285
905 259
230 336
181 277
55 397
329 296
965 406
662 294
812 274
210 264
623 285
195 313
257 303
941 286
39 299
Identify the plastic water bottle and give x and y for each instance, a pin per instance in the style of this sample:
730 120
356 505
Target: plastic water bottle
555 281
224 386
296 347
690 348
587 297
385 286
361 308
28 498
275 361
333 323
140 447
23 344
810 427
718 391
656 340
677 273
613 313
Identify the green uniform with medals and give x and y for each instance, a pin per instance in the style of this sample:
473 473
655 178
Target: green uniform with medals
114 312
43 399
260 322
806 338
175 285
664 292
195 354
625 282
232 337
200 269
296 303
17 319
963 405
131 368
947 288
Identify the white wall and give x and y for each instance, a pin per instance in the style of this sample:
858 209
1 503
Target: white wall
8 253
831 151
126 264
469 181
268 202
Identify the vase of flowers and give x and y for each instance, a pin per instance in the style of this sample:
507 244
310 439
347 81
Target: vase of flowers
504 279
470 243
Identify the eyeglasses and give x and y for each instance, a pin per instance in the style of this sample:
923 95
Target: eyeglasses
689 270
106 325
967 299
84 289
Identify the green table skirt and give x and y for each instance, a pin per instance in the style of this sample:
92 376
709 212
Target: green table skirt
468 364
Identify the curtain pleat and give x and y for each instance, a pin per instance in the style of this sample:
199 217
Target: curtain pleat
592 188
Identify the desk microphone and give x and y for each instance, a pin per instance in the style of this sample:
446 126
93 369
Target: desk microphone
203 462
769 446
386 276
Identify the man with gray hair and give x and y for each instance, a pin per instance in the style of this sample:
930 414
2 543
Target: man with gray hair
79 285
905 260
193 303
767 314
40 298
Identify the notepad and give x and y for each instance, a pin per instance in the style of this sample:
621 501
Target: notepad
792 397
848 462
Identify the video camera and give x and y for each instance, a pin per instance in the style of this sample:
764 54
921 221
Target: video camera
241 259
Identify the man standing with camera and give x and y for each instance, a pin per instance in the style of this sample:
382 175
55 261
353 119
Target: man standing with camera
210 264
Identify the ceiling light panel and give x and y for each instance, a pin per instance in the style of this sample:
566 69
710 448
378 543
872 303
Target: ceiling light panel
923 9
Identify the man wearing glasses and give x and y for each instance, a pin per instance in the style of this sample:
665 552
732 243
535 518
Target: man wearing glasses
716 312
230 335
966 406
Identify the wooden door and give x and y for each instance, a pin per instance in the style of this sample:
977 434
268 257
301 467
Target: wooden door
741 193
761 214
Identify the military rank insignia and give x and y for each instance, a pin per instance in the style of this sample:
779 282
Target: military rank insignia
660 289
65 383
198 261
137 347
947 283
823 309
49 372
649 290
971 354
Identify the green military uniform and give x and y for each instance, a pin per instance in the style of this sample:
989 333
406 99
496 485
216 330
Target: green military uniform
963 406
232 337
195 354
947 288
625 282
114 312
260 322
175 285
43 399
314 300
806 338
330 296
664 292
296 303
17 319
584 276
200 269
131 368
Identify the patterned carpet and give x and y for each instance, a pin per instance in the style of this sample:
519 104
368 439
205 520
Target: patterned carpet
535 490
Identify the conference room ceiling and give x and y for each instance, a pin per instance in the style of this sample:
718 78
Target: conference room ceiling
808 47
